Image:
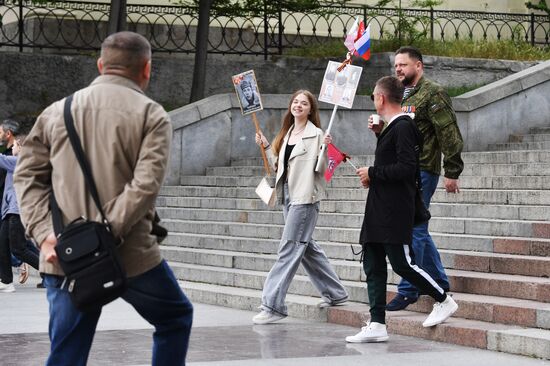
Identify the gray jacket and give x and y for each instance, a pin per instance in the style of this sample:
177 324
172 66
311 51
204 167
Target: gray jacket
9 200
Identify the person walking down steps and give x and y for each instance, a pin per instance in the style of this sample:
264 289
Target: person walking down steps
293 155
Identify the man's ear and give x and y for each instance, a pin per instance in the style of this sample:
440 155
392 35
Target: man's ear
146 72
100 65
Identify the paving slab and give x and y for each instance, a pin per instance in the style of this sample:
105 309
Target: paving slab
225 337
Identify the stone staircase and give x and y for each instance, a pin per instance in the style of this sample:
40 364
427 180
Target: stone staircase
494 239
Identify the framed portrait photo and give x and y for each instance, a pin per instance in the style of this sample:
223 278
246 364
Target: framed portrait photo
247 91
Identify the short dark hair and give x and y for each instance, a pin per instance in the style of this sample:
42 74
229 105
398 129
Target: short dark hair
413 52
125 50
392 88
11 125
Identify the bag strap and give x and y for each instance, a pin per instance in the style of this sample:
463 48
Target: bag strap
80 156
84 165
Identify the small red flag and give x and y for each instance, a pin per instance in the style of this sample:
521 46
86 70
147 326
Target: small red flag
335 157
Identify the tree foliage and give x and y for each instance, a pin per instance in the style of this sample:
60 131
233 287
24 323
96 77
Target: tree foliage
409 30
260 7
541 5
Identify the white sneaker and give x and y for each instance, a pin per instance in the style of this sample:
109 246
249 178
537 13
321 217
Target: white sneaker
372 332
266 317
441 312
7 288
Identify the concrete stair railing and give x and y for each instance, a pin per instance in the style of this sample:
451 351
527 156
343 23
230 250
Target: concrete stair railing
494 240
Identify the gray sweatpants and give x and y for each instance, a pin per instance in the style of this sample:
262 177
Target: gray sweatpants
297 246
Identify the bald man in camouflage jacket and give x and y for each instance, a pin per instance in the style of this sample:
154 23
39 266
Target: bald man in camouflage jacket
436 120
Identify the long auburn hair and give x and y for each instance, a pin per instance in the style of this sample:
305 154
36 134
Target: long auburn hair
288 119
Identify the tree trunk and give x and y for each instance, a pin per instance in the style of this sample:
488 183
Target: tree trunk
199 72
117 16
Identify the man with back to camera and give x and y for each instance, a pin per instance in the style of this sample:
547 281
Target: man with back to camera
436 120
126 137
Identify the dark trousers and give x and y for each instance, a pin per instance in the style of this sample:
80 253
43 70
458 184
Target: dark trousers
12 240
402 261
156 296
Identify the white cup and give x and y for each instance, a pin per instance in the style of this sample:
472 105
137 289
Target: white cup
375 119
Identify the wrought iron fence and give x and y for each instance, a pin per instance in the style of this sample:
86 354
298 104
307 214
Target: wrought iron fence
79 26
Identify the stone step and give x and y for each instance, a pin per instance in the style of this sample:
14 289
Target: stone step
487 157
543 130
474 333
538 137
526 247
336 231
352 270
499 212
254 173
302 307
545 145
481 182
511 286
481 196
490 309
512 339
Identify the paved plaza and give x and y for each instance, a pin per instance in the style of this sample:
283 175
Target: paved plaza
226 337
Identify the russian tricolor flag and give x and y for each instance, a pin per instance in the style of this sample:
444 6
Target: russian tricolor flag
362 44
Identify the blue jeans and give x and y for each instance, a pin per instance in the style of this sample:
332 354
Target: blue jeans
155 295
426 255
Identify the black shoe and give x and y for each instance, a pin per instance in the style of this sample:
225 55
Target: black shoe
40 285
399 302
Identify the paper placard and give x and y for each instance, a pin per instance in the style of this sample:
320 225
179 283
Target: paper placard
265 192
247 91
340 87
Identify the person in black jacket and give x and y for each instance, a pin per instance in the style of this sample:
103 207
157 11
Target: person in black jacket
389 213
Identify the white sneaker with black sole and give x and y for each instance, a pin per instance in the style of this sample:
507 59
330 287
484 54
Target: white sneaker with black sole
266 317
371 333
7 287
441 312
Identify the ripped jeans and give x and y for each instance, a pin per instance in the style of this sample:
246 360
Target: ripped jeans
297 246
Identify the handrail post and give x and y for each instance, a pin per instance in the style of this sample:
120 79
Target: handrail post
281 27
432 23
266 29
21 26
532 29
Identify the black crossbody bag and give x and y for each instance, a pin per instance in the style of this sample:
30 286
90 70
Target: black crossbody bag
87 250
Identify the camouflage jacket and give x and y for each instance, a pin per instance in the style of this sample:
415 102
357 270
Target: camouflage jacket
436 120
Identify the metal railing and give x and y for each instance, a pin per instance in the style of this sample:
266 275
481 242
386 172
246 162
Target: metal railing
79 26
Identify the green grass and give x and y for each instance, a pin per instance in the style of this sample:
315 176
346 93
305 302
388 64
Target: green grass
501 50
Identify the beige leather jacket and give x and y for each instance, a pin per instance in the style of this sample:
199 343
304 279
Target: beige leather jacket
126 137
304 184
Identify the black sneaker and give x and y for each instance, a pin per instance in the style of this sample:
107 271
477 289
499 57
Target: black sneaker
399 302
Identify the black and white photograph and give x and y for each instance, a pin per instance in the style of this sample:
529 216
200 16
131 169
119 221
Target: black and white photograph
247 92
339 87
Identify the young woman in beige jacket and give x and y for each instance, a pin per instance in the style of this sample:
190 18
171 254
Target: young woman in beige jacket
293 154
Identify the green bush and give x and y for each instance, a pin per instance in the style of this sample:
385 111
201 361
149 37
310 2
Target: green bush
501 50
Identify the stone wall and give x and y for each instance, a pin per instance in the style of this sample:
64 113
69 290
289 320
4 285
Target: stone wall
212 132
31 81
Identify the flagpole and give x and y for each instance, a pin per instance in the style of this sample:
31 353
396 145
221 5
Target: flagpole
324 147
